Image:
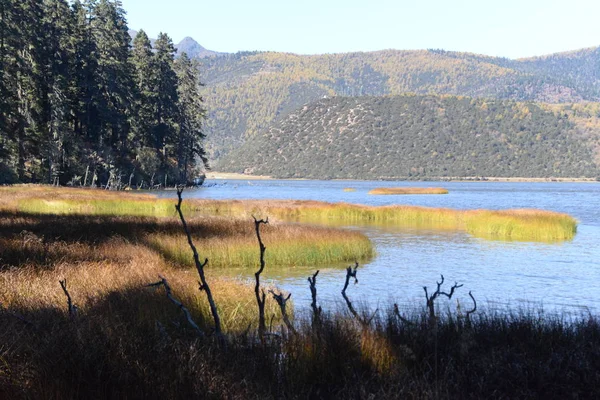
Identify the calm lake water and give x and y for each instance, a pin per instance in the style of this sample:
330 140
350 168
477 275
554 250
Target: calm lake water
561 277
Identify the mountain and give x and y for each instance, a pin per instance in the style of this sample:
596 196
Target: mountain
193 49
187 45
247 92
420 137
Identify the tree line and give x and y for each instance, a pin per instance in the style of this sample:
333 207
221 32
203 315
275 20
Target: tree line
80 105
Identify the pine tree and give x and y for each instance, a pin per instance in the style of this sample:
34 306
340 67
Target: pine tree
115 82
166 97
75 100
190 117
26 51
58 53
147 89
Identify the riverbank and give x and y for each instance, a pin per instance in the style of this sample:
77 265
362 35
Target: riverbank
213 175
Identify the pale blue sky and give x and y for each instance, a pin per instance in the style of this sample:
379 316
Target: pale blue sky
508 28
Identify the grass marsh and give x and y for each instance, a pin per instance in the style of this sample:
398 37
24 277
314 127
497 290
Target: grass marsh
129 341
522 224
408 190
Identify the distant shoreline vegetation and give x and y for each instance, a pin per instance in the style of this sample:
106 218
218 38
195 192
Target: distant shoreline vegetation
407 190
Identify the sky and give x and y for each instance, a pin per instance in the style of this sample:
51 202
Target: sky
505 28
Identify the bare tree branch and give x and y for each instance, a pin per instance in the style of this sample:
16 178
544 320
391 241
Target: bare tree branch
260 294
282 301
72 307
163 282
474 307
199 266
400 317
351 273
430 300
313 292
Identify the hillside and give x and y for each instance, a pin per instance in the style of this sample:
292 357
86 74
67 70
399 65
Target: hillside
423 137
246 92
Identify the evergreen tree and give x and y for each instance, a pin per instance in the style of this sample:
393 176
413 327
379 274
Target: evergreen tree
190 117
166 96
76 102
147 89
115 82
58 53
26 38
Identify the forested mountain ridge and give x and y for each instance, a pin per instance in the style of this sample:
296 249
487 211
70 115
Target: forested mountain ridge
419 137
246 92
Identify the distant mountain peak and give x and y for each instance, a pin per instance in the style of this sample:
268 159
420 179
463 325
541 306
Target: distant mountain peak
187 45
193 49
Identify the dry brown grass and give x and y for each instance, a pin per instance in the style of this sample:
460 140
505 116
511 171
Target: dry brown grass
408 190
117 266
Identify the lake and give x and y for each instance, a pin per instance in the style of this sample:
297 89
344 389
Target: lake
558 277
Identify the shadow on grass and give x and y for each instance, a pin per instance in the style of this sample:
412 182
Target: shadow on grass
135 344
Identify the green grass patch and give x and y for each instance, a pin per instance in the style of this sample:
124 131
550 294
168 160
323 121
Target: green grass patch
302 247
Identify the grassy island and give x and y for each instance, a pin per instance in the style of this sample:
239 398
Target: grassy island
518 224
408 190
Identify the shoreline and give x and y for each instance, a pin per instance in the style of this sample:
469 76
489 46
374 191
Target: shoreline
215 175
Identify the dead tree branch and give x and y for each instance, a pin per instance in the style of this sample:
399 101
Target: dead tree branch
468 315
400 317
199 266
260 294
282 302
313 292
430 300
163 282
72 307
351 273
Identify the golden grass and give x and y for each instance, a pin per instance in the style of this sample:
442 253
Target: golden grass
532 225
408 190
232 243
349 189
119 267
521 224
526 225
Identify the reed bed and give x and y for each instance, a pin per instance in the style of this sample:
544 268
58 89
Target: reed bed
408 190
100 206
521 224
526 225
348 189
232 243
